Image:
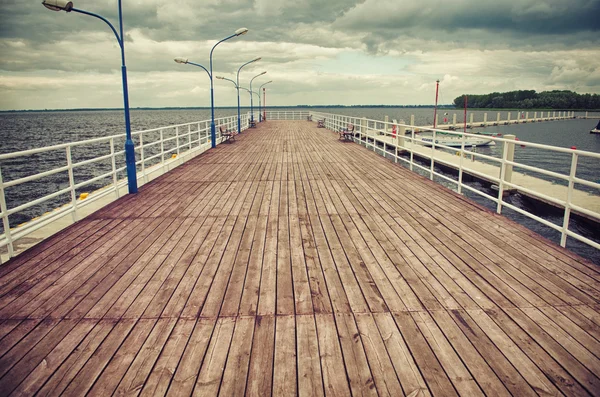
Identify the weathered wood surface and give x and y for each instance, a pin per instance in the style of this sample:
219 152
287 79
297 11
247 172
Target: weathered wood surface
290 262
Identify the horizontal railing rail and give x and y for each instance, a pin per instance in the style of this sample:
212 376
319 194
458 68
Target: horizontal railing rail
287 115
389 139
157 151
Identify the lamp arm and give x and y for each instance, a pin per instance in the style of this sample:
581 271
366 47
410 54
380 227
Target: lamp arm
103 19
200 66
225 78
238 72
218 42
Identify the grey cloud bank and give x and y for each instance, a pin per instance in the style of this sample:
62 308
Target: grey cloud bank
334 52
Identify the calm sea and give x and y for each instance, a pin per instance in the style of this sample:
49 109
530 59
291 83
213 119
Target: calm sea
23 131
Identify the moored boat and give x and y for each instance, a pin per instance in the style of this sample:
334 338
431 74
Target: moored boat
456 142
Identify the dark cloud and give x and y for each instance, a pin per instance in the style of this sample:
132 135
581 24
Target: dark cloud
498 24
305 45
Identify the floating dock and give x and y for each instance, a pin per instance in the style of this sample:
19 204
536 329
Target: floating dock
291 263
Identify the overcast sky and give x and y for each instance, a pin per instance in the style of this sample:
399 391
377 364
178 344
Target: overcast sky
315 51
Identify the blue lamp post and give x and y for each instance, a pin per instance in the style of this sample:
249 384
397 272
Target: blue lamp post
251 102
237 86
259 101
213 132
63 5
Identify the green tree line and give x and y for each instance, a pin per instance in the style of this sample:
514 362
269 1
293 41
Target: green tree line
529 99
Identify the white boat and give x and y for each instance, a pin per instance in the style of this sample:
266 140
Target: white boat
596 130
456 142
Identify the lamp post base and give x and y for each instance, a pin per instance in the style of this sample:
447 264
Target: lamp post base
213 135
130 162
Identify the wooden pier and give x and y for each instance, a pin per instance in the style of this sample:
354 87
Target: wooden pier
291 263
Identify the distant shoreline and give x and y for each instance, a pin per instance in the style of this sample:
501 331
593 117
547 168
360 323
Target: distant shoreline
286 107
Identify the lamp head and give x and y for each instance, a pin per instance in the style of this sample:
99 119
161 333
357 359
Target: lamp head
257 59
181 60
241 31
58 5
220 77
262 73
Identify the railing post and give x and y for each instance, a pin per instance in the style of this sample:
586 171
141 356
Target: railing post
162 149
363 129
177 140
534 116
498 119
400 132
114 166
5 221
527 117
460 162
72 184
471 118
508 154
432 162
199 136
454 120
508 118
567 217
412 141
189 137
485 120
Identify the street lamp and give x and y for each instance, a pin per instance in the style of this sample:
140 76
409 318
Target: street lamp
62 5
251 102
213 132
237 86
259 102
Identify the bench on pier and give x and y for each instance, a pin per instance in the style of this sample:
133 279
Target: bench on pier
347 133
321 123
226 134
309 117
252 123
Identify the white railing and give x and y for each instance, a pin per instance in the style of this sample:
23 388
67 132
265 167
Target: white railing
157 151
287 115
391 136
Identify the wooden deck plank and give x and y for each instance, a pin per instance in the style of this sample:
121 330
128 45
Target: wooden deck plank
291 263
332 361
261 359
160 377
68 370
211 372
135 377
386 379
285 377
238 360
118 365
36 377
310 378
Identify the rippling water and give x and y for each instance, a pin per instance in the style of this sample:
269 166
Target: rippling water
23 131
